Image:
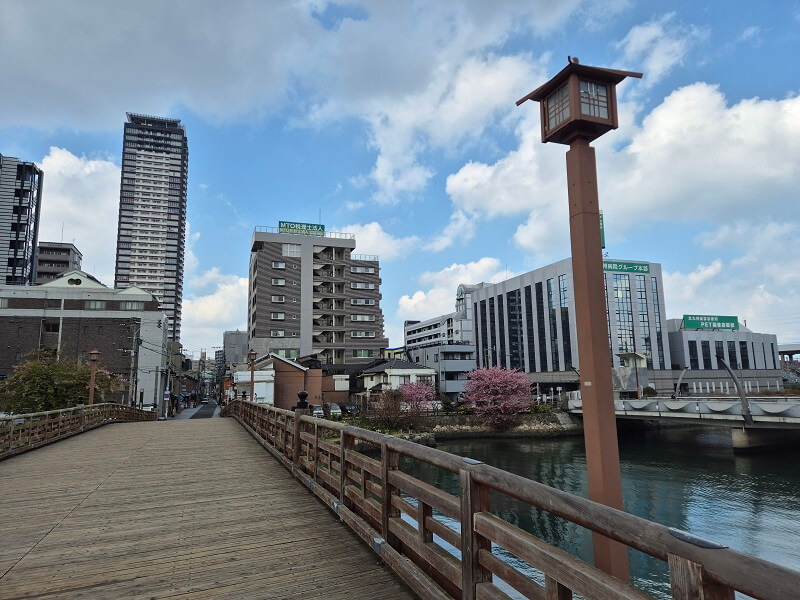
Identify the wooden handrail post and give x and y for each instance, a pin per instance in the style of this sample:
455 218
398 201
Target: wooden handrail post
296 442
474 499
316 448
345 444
688 581
390 461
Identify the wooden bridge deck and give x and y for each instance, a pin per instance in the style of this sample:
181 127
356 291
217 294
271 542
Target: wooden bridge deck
181 509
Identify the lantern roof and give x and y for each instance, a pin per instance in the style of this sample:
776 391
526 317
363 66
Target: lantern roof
612 76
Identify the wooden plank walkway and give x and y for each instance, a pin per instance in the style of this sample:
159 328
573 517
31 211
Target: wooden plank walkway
180 509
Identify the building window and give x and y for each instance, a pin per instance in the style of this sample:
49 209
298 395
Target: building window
287 352
50 327
403 379
732 362
745 356
279 298
551 299
362 301
362 269
694 364
719 352
277 333
622 296
705 346
362 317
360 285
278 281
363 353
292 250
516 348
657 318
502 323
94 304
362 334
277 316
644 321
3 302
128 305
565 337
540 322
276 264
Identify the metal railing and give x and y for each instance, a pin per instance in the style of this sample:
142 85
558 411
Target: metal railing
371 494
20 433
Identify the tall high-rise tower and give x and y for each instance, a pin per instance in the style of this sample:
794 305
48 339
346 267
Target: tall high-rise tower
20 201
152 212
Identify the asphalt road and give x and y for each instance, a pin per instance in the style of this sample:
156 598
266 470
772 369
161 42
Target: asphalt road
205 411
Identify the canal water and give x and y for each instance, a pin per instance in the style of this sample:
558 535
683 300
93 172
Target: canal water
684 478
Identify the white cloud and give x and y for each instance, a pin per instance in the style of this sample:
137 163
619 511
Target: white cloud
696 157
461 228
658 46
760 283
222 307
419 75
80 196
371 238
440 296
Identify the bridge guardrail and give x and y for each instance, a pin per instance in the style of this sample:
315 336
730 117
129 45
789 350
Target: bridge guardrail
20 433
369 495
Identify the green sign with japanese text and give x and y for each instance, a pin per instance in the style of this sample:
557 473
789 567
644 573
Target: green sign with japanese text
625 267
300 228
711 322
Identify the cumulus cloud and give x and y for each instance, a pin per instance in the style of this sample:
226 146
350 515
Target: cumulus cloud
461 228
220 305
371 238
759 282
659 46
73 187
439 87
440 295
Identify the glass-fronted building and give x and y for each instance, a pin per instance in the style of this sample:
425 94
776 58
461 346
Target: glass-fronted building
528 322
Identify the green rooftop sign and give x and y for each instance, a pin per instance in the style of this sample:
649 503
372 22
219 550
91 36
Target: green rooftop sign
625 267
711 322
300 228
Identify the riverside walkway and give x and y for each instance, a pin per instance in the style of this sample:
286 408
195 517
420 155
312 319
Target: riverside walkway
179 509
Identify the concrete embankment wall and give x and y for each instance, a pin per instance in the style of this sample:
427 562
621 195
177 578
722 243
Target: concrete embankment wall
452 427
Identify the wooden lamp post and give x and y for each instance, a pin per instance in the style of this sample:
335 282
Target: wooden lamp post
577 106
93 356
251 356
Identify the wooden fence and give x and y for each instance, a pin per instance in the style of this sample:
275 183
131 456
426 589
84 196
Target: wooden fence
369 494
20 433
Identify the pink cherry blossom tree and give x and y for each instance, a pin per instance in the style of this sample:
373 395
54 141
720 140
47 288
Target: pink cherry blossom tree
497 394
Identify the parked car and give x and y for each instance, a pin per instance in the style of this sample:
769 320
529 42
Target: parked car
332 410
316 411
349 409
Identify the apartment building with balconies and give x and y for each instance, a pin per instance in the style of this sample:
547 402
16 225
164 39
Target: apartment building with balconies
309 294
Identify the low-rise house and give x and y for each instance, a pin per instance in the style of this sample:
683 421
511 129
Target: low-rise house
390 375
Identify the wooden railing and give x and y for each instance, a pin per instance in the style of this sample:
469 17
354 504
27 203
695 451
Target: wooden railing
339 464
20 433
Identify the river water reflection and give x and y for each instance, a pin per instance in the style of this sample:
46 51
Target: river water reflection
684 478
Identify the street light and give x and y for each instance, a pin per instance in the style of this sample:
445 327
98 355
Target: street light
577 106
93 356
251 356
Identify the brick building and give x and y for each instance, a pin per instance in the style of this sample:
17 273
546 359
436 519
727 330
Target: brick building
74 314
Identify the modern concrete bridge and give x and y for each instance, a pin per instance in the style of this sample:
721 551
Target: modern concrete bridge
772 420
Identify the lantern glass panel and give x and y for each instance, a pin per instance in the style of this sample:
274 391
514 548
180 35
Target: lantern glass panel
594 99
557 107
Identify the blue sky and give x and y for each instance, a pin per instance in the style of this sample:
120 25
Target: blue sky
396 121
